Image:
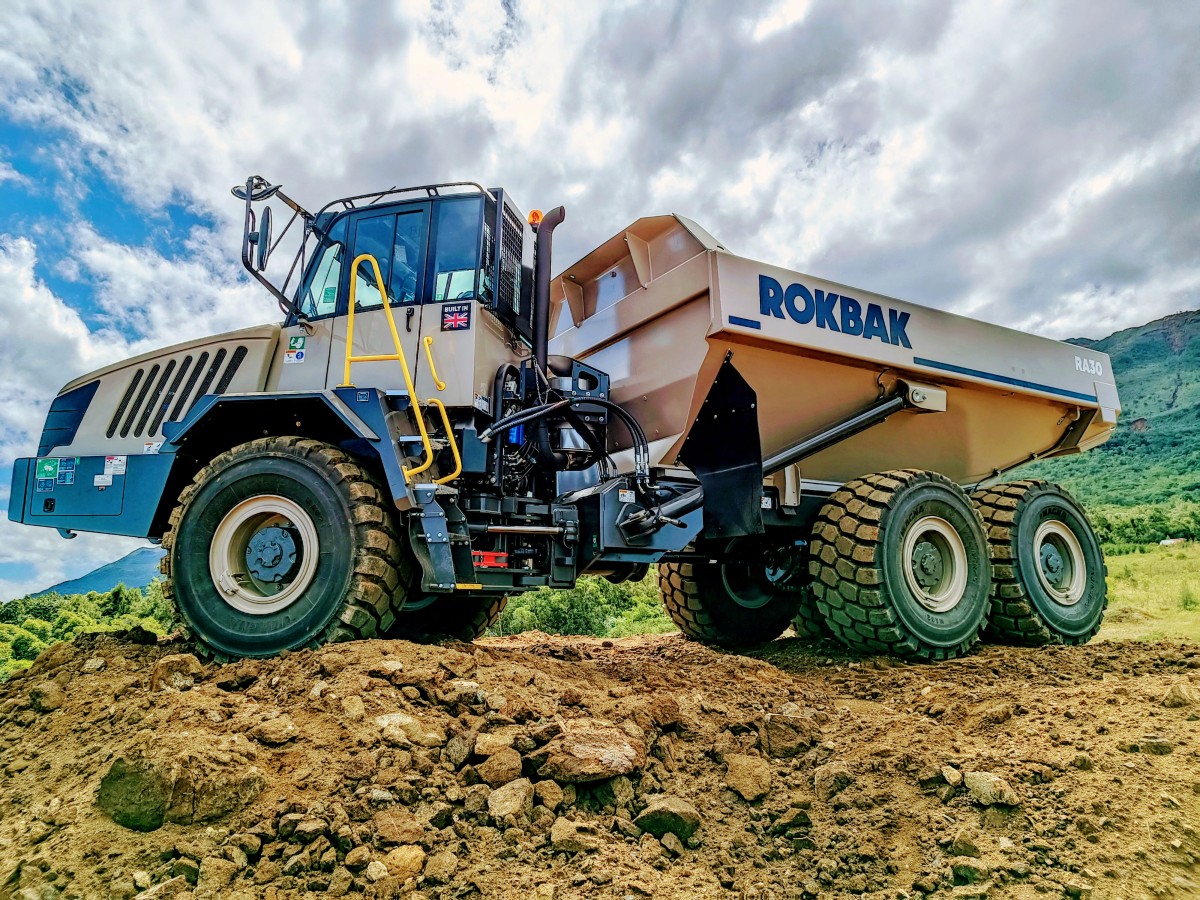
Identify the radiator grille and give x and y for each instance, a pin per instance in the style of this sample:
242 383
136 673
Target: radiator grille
167 394
509 288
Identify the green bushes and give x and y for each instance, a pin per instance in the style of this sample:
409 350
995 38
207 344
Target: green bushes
30 624
594 607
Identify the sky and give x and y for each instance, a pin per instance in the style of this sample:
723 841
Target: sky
1031 164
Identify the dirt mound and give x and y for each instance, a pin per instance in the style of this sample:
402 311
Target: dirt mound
542 767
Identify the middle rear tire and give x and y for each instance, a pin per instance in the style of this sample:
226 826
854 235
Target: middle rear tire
900 565
746 596
434 616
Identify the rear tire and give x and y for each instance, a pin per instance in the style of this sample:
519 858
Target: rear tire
745 598
900 566
434 616
278 544
1048 569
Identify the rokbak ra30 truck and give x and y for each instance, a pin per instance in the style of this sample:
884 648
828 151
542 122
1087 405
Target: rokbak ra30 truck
437 424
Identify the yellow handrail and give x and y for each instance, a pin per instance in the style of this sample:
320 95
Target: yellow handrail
441 385
398 355
453 445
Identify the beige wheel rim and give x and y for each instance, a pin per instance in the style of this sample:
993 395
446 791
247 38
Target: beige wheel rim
264 554
1062 571
935 564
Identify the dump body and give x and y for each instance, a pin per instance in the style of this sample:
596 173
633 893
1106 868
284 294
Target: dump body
660 307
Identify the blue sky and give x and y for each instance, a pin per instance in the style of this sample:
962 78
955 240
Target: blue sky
1036 165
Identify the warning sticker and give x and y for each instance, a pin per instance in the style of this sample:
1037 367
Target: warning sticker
47 468
293 356
101 480
66 476
151 446
68 464
45 485
296 343
114 465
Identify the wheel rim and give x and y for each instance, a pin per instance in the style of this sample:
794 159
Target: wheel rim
1061 568
264 554
935 564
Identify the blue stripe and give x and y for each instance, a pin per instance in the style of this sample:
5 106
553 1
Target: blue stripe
745 323
1003 379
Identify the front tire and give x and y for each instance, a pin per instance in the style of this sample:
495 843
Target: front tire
900 565
1047 565
747 596
278 544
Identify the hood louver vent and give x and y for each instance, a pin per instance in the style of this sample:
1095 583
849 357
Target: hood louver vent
152 394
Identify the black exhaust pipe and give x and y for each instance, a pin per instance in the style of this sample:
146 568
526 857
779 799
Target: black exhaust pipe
541 285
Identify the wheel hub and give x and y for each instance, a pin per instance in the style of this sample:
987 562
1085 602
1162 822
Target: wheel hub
1052 564
271 554
927 564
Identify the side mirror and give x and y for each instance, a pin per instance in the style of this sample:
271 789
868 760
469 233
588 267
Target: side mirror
262 238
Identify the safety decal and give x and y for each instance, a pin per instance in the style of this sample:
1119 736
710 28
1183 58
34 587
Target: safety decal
67 464
151 446
456 317
295 352
66 476
115 465
45 485
101 481
48 468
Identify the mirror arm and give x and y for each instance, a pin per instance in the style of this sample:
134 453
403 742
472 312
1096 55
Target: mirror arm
256 188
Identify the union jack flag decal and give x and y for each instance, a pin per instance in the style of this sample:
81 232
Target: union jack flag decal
456 317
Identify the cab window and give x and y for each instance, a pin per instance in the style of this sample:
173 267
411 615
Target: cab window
456 258
397 242
319 296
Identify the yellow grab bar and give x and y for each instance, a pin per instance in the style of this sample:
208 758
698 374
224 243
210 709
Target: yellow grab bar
449 436
398 355
441 385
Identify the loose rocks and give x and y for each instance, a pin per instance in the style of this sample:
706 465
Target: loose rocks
990 790
750 776
672 814
573 837
513 799
46 696
831 778
176 673
591 751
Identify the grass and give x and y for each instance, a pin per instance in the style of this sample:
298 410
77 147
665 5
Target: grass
1153 594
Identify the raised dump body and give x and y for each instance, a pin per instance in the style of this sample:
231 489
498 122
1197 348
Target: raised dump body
661 305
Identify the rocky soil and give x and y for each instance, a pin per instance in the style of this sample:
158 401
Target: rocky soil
545 767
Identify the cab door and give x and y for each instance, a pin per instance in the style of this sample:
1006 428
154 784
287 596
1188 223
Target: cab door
397 238
450 326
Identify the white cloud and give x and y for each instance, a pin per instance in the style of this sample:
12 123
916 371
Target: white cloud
43 344
8 173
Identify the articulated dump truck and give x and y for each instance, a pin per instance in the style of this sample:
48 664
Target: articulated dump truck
438 424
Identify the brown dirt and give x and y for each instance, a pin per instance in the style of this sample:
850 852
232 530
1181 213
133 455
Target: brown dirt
275 779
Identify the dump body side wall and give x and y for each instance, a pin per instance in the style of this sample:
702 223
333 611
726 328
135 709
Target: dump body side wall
815 351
